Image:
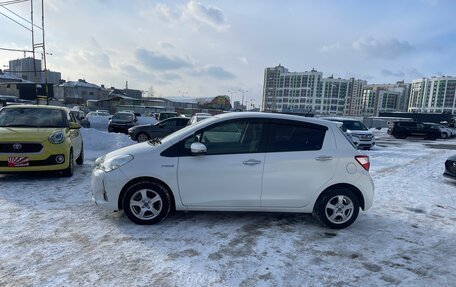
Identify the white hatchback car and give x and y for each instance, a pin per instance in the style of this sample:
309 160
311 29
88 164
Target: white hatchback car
239 162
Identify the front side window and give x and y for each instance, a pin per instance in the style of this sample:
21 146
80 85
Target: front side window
293 136
234 137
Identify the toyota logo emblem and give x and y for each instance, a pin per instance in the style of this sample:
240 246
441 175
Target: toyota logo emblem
17 146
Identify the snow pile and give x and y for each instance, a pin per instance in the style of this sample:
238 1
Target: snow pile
98 143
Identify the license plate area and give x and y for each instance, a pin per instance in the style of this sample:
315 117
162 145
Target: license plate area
17 161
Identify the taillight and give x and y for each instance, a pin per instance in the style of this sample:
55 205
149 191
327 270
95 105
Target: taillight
363 161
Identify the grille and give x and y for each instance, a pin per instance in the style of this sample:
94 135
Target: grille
20 147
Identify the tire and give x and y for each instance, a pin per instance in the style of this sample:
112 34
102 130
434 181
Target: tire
68 172
80 159
142 137
156 207
337 208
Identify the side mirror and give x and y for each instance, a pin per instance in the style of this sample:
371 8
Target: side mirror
198 148
74 126
109 118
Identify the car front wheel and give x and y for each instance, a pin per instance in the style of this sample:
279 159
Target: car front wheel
337 208
68 172
146 203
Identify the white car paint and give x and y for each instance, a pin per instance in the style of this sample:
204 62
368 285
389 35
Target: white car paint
279 181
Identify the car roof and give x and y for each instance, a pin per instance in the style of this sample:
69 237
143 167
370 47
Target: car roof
266 115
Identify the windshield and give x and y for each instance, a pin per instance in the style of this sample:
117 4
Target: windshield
123 117
32 117
353 126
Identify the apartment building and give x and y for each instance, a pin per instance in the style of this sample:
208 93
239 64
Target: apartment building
308 92
385 98
30 69
433 95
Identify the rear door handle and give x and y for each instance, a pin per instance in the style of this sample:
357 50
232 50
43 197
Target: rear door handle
251 162
324 158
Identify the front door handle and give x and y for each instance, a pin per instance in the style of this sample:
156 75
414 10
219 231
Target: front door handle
324 158
251 162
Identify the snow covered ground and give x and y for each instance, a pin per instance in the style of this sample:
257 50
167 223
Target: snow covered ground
53 235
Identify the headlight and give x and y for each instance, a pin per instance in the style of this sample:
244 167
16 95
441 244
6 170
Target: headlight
113 163
57 137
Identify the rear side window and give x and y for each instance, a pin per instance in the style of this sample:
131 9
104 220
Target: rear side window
290 136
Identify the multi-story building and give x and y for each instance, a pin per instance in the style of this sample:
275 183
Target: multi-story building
306 92
30 69
384 98
433 95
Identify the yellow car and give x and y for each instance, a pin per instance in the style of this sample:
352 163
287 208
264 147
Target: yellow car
39 138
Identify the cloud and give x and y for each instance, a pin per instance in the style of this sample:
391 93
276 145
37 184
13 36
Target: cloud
209 15
388 73
327 48
407 73
156 61
193 12
171 77
166 45
385 49
162 11
214 72
244 60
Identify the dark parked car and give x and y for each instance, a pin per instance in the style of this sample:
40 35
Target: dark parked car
121 122
402 130
80 118
159 130
450 167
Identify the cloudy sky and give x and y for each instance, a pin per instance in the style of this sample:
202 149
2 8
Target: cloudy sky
205 48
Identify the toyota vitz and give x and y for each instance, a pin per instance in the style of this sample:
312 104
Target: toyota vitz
239 162
39 138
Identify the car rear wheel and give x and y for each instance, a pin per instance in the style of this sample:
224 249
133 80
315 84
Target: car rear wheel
68 172
142 137
337 208
147 203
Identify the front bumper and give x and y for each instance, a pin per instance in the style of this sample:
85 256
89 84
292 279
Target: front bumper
45 160
106 188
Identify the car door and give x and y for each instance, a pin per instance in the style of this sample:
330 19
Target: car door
300 159
229 174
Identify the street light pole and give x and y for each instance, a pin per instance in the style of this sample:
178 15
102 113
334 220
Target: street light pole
243 92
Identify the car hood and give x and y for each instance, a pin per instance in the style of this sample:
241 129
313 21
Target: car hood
358 132
452 158
12 134
134 150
